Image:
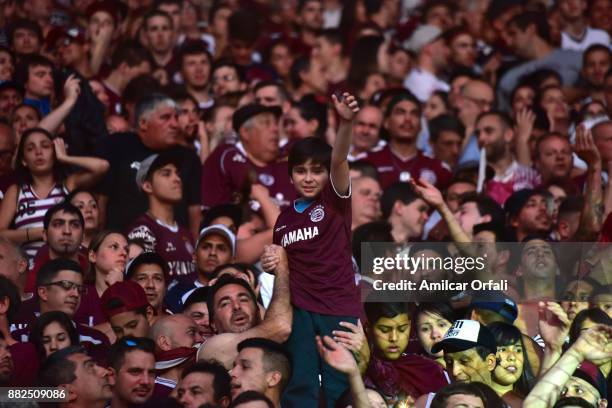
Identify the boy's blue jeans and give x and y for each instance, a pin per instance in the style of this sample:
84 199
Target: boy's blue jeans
304 387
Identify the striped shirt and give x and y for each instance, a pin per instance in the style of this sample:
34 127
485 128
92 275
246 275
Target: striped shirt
31 211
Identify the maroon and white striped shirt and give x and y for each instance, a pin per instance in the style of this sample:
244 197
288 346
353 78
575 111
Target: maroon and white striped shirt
31 211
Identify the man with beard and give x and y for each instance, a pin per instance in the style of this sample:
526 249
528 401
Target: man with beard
175 337
205 383
495 134
85 382
234 312
400 160
63 234
553 158
528 215
132 364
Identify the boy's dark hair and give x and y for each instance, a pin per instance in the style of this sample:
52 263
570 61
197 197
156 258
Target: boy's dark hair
527 18
221 378
242 25
130 53
26 24
64 206
311 109
250 396
22 70
376 310
398 191
486 206
275 357
445 123
193 47
9 290
49 270
117 352
311 148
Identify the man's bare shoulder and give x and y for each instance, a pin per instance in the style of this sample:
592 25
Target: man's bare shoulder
221 347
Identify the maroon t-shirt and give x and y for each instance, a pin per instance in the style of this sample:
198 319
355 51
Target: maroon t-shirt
392 169
90 312
175 245
25 364
318 245
114 101
28 312
226 171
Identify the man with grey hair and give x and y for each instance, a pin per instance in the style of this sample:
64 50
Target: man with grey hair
14 265
121 201
231 169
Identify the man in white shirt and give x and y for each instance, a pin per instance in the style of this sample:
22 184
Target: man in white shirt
576 34
432 57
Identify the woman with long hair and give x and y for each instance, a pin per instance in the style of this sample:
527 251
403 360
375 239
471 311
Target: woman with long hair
53 331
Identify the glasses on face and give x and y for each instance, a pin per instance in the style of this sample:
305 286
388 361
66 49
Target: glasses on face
68 286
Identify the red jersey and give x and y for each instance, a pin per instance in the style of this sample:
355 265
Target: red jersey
42 257
25 365
173 243
90 312
226 172
318 245
392 168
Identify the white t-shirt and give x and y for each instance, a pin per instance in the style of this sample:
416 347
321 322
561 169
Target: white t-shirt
423 83
591 36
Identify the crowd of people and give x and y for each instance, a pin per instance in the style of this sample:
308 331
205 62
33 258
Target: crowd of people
188 187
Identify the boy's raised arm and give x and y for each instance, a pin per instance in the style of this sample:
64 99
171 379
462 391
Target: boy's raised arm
347 109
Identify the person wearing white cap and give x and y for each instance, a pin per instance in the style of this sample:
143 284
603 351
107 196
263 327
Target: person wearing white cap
216 246
432 55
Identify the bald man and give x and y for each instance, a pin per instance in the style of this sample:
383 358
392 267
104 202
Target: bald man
474 98
175 339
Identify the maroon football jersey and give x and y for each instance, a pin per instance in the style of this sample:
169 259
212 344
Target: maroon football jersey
318 245
174 244
25 365
226 171
90 312
28 312
392 169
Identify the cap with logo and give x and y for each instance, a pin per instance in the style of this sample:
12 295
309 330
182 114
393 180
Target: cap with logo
464 335
498 302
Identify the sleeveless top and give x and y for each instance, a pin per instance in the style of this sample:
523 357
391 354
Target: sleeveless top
31 211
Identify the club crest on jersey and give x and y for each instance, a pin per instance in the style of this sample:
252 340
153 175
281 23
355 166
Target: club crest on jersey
317 213
266 179
429 176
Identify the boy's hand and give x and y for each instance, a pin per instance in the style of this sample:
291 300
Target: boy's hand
271 258
347 107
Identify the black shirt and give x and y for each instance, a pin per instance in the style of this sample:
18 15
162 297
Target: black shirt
124 152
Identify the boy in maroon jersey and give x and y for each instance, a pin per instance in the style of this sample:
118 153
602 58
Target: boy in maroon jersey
316 233
159 179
